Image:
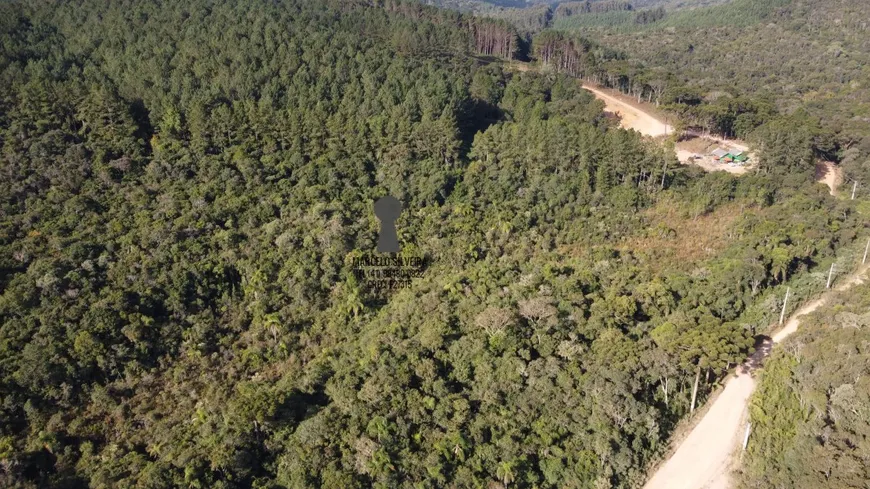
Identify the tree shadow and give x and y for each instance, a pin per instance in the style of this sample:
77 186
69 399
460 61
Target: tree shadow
479 116
299 406
763 346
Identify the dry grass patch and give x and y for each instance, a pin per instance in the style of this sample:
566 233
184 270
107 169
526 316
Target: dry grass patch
677 240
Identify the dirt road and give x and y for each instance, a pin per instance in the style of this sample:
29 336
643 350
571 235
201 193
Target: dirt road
703 460
830 174
631 117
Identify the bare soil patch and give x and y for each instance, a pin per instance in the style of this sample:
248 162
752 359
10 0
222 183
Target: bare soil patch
830 174
631 116
695 149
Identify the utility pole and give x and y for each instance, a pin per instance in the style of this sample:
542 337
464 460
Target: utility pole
664 172
746 436
865 252
830 274
854 186
784 303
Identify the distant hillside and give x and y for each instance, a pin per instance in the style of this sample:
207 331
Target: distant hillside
735 14
675 4
536 15
807 56
483 5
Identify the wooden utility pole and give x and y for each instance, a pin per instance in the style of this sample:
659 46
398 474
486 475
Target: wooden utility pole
784 303
695 390
830 274
854 186
746 436
865 251
664 172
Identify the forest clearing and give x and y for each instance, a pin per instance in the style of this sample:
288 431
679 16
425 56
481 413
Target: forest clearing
704 459
700 149
693 148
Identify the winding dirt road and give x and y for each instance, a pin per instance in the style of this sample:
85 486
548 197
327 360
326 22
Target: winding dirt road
703 459
630 116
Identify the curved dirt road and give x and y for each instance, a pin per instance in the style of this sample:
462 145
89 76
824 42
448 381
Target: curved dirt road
703 459
631 117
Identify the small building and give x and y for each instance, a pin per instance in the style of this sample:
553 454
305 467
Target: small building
735 156
719 153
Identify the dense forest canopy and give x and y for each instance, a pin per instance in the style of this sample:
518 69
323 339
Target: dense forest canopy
187 188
